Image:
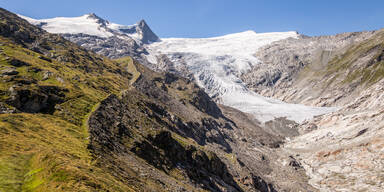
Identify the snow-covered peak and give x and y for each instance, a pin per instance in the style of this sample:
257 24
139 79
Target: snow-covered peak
93 16
91 24
87 24
243 43
233 50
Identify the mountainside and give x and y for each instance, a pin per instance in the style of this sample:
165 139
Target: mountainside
72 120
308 70
342 150
314 109
216 64
101 36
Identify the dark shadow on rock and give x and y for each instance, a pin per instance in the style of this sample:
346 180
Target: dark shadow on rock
165 153
42 100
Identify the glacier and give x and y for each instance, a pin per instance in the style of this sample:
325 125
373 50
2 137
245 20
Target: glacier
216 63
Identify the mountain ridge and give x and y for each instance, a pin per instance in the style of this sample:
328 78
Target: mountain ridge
103 28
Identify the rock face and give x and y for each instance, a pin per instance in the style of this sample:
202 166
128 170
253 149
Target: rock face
160 150
168 122
146 34
340 150
112 47
287 68
345 151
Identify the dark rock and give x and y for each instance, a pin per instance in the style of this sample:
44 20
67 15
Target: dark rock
240 162
247 181
170 78
361 132
276 144
5 109
42 100
114 123
294 163
18 63
200 166
19 30
205 104
262 185
44 58
107 126
25 81
34 69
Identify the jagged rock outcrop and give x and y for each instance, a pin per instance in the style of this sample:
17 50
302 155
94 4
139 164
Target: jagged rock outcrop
145 33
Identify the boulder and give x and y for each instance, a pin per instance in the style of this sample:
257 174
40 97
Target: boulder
42 100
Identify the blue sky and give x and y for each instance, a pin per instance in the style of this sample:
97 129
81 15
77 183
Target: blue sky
206 18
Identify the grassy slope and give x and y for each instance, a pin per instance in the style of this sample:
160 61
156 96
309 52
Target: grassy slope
343 69
42 152
48 152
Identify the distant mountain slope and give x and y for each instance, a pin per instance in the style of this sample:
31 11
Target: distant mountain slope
341 151
299 70
101 36
91 24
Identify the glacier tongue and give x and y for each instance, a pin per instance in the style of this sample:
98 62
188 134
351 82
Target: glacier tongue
217 63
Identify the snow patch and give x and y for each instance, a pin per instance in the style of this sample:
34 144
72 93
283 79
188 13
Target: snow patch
88 24
73 25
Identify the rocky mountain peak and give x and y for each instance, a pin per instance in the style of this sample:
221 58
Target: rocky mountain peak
147 35
93 15
97 18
